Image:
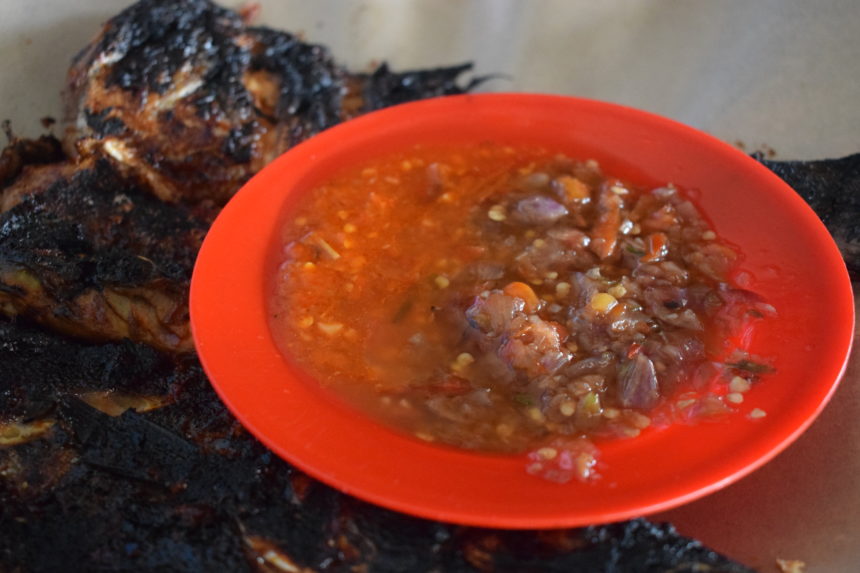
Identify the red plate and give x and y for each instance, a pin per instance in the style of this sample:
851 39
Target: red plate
789 257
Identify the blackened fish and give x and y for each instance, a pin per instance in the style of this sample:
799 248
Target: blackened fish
182 101
22 155
90 253
832 189
188 97
116 457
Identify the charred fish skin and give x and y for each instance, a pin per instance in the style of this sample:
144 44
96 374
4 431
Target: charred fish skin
19 153
183 488
384 87
114 263
832 188
297 90
160 91
95 256
36 367
100 492
28 166
186 96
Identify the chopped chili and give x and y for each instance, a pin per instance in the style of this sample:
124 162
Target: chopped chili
508 300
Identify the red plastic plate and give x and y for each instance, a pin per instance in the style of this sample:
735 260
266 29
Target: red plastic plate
789 258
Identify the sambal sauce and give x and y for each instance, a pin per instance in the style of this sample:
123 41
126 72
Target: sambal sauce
513 300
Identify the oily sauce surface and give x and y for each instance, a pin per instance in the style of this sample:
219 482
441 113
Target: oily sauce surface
511 299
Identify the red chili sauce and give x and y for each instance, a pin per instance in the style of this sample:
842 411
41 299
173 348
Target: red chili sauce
509 299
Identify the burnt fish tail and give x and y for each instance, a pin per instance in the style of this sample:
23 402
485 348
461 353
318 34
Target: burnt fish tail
20 153
832 189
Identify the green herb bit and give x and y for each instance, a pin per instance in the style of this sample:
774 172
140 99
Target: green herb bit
590 403
750 366
523 399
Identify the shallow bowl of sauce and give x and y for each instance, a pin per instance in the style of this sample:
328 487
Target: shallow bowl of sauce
274 387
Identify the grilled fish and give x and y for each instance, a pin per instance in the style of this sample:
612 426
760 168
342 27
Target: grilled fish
23 154
185 95
116 456
832 189
177 100
89 252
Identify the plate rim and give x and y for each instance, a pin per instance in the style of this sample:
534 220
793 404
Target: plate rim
214 348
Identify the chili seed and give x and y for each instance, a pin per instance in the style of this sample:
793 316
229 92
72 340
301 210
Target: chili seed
739 384
497 213
617 291
463 360
602 302
330 328
535 415
547 453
